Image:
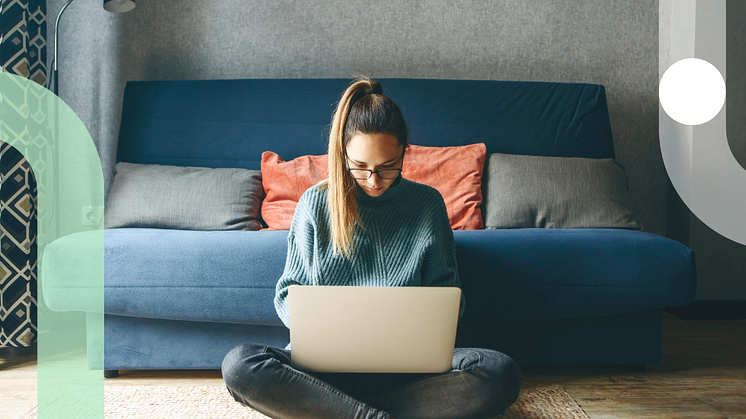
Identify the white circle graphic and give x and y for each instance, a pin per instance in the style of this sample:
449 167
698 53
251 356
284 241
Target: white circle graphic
692 91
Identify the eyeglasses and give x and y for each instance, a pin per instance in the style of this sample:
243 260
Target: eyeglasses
364 174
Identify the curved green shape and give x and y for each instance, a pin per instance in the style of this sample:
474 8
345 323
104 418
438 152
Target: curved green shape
70 185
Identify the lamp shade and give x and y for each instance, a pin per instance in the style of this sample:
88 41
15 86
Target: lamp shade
119 6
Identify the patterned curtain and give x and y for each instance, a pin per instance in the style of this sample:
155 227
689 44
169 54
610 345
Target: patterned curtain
23 53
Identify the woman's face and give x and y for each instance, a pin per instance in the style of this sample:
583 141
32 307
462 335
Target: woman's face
374 152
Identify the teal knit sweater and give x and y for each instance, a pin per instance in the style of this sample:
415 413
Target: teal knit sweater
407 241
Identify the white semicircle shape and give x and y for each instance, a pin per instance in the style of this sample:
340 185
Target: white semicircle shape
692 91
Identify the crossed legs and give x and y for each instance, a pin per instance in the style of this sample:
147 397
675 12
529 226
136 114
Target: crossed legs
481 383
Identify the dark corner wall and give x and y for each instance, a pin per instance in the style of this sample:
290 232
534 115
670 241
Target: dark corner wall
721 263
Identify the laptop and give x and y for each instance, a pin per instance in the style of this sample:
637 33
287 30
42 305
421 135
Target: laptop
373 329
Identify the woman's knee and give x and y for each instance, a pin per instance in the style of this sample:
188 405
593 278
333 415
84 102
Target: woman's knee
239 361
239 354
506 376
500 375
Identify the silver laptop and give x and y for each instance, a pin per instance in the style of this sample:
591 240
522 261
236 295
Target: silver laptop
373 329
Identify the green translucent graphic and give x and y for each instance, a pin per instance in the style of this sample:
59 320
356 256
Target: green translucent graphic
70 231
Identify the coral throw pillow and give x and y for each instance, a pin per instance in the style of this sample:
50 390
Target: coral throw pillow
284 182
456 172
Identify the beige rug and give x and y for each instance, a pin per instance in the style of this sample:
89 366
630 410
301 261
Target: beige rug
172 402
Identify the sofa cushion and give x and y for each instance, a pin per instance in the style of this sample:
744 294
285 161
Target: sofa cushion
215 276
456 172
284 182
162 121
192 198
506 275
521 275
556 192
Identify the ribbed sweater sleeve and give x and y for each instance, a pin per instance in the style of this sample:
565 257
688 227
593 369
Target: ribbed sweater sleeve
405 240
298 263
440 268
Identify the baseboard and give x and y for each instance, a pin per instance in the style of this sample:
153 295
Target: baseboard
711 310
12 351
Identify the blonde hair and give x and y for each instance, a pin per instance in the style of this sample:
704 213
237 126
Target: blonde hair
363 109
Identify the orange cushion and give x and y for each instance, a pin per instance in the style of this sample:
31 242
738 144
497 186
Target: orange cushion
456 172
284 183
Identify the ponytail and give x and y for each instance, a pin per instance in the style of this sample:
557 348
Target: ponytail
362 110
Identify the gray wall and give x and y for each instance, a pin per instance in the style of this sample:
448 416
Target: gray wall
614 43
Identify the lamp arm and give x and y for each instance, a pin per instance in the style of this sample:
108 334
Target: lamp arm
56 45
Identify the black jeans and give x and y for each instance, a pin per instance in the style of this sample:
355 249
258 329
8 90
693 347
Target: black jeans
482 383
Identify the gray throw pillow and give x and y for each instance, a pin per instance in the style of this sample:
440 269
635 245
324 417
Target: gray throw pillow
555 192
187 198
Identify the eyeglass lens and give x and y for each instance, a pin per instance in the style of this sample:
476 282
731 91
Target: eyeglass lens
383 174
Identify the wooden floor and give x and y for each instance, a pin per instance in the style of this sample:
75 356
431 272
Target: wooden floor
703 375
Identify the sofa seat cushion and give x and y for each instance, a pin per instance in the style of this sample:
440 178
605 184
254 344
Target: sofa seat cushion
518 275
214 276
506 275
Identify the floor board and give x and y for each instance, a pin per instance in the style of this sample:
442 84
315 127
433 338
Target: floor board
703 375
658 407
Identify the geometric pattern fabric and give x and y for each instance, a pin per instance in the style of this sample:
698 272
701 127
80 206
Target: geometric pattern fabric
18 306
23 53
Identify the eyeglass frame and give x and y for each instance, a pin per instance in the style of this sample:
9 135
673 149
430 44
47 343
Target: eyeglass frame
349 170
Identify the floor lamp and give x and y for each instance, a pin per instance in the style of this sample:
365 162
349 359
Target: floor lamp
115 6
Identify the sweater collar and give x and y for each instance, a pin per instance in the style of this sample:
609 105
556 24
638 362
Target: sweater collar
394 192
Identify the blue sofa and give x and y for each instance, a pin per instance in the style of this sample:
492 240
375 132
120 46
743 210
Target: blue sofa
177 299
